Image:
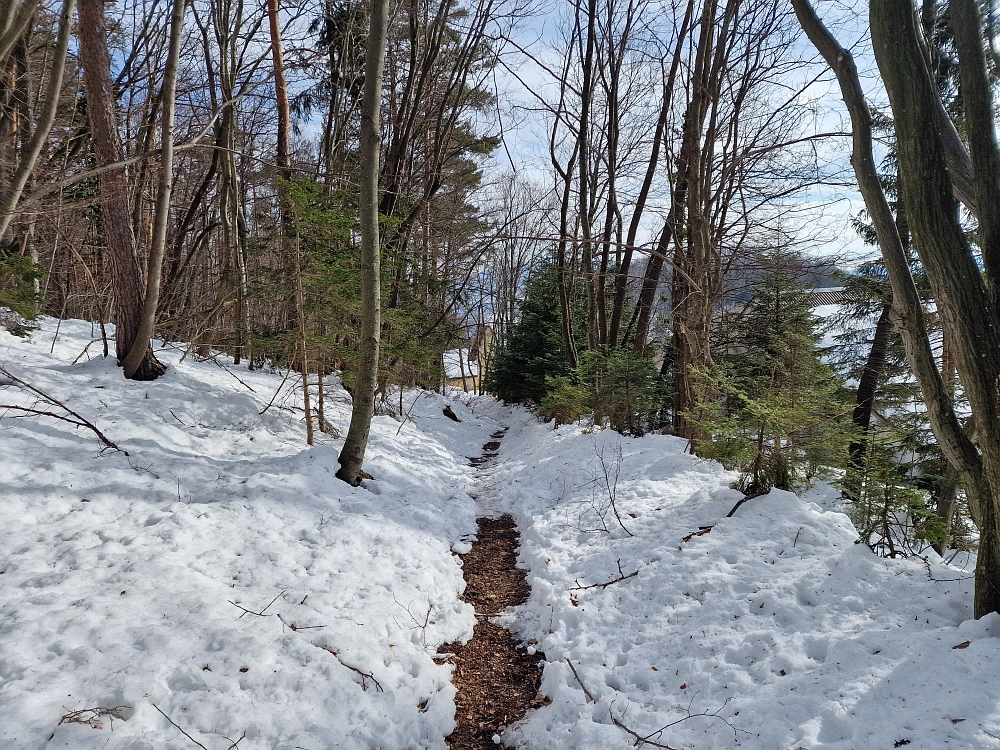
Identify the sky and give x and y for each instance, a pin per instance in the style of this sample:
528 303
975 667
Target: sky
821 215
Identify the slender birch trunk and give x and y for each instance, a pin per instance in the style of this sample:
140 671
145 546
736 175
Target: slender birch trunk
161 218
352 455
12 195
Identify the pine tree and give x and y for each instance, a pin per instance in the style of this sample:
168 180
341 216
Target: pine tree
773 409
535 351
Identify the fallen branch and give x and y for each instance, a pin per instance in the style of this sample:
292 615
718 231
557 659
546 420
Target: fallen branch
745 498
233 745
92 341
179 728
702 530
215 360
296 628
641 740
74 418
364 675
621 577
92 716
930 574
577 676
251 612
283 381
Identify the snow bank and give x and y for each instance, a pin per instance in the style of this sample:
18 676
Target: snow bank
124 580
774 622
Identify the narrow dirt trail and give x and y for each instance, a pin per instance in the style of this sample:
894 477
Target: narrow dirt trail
497 679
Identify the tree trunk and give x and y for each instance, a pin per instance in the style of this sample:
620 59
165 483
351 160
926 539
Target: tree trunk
113 187
280 92
968 316
978 101
161 218
33 148
14 20
583 136
621 282
907 312
353 453
865 401
283 160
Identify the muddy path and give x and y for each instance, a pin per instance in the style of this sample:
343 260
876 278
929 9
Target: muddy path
497 679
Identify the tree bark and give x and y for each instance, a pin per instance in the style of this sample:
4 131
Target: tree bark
907 312
353 453
867 388
33 148
14 19
978 101
161 218
583 136
113 186
564 270
968 316
280 92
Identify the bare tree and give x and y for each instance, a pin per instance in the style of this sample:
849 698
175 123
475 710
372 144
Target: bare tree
96 59
969 316
147 321
352 455
16 19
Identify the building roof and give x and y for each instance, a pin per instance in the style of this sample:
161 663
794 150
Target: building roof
827 296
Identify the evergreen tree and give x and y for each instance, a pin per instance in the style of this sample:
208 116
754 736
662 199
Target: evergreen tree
535 351
773 409
18 298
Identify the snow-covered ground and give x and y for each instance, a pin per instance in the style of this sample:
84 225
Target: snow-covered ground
120 576
774 622
124 582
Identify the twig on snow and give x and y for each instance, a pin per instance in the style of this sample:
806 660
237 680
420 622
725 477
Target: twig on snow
930 574
641 740
178 727
296 628
702 530
251 612
92 716
621 577
422 626
364 675
233 744
577 676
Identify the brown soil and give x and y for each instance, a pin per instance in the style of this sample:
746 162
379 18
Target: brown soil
497 680
492 580
497 683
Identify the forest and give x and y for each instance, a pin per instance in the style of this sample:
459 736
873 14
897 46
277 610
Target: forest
444 373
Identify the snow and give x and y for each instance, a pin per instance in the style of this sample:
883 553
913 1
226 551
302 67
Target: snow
775 620
125 579
118 572
458 365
